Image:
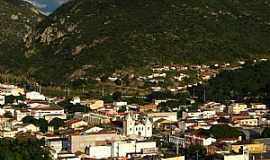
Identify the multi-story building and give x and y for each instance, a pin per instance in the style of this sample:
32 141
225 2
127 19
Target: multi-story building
124 148
237 108
141 128
170 116
42 110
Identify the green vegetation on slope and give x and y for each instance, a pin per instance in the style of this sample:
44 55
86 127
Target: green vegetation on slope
252 82
17 19
90 37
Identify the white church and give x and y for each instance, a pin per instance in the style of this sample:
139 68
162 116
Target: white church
135 127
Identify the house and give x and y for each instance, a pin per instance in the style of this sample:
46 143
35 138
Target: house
237 108
164 124
21 113
218 107
250 122
75 123
35 96
93 104
96 119
2 100
67 156
93 130
179 141
123 148
79 142
119 104
236 157
50 117
55 143
8 90
258 106
207 114
199 137
41 110
28 128
204 141
8 133
141 128
174 158
253 148
148 107
170 116
75 100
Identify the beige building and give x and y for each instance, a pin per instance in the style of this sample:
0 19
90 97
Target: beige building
237 108
75 123
251 147
96 119
9 134
174 158
170 116
236 157
20 114
80 142
251 122
93 104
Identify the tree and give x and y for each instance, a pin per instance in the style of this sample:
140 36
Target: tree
266 133
72 108
8 115
11 99
43 125
117 96
24 148
122 109
30 120
57 123
224 130
196 151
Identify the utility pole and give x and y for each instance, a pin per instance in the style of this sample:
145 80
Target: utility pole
177 147
204 94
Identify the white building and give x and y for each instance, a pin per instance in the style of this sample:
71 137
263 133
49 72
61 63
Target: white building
258 106
20 114
8 90
41 110
170 116
122 149
35 96
142 128
199 115
76 100
55 143
2 100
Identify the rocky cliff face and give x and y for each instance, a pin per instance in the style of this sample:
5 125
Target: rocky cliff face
18 19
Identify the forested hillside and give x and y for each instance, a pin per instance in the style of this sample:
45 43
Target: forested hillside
17 20
85 38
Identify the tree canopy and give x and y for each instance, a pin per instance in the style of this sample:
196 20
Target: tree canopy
23 148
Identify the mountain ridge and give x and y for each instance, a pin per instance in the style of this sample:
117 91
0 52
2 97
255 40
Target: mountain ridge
17 18
95 36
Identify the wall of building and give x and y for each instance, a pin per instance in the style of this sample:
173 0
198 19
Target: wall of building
80 142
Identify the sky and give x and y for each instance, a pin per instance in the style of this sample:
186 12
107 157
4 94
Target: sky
47 6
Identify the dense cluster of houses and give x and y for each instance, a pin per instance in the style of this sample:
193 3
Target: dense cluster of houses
107 131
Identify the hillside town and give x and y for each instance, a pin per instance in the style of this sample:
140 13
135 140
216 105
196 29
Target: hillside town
76 128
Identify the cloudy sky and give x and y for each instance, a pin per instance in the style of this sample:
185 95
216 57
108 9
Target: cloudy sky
47 6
